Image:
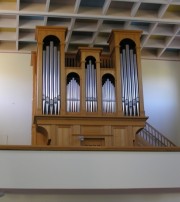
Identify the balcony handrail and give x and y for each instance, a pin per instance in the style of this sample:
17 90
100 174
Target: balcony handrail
154 137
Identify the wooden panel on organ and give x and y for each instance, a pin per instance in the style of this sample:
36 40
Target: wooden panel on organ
87 99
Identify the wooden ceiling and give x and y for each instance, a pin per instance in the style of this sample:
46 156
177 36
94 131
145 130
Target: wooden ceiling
90 22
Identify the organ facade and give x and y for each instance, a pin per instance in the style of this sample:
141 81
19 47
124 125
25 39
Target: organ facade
87 98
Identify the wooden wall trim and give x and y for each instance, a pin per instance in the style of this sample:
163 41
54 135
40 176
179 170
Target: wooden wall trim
91 148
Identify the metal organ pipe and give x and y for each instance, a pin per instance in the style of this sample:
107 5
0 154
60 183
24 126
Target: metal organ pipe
58 82
73 96
55 79
136 85
47 80
91 88
125 83
122 83
129 82
44 82
108 96
51 79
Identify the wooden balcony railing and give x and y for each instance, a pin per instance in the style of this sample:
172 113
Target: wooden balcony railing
106 61
153 137
71 60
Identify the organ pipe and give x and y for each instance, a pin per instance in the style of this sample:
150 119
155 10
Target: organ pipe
108 97
136 84
51 79
44 82
73 96
58 82
129 82
91 88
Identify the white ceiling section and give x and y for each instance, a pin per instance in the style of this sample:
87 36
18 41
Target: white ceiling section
90 22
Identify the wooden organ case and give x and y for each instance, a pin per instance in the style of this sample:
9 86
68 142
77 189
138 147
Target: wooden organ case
87 99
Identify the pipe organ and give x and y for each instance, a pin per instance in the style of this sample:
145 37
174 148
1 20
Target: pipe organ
87 99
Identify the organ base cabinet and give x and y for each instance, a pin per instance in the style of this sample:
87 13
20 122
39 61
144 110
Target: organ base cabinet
86 131
87 98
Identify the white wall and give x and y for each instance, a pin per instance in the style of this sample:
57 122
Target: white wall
88 170
161 85
15 98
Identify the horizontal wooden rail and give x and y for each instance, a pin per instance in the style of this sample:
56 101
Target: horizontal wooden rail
86 148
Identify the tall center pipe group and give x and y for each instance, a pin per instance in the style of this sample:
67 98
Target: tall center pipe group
91 88
51 79
129 82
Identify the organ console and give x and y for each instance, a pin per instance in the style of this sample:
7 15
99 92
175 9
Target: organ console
87 98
